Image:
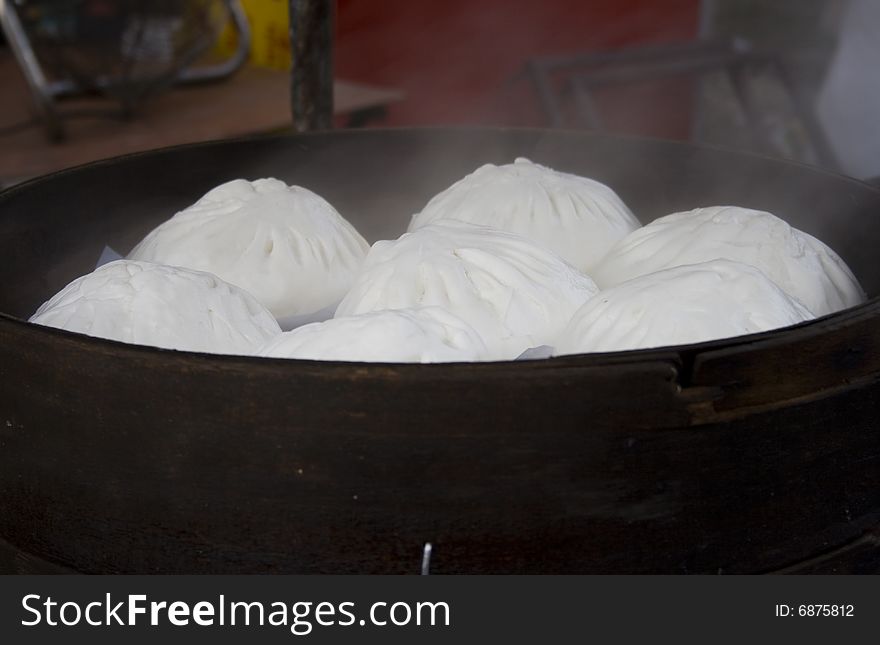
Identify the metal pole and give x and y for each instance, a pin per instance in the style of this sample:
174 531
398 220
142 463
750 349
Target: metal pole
312 23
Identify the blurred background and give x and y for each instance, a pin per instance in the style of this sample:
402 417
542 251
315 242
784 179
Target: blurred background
89 79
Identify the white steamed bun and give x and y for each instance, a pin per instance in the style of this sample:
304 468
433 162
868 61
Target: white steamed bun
426 335
681 305
801 265
163 306
284 244
515 294
575 217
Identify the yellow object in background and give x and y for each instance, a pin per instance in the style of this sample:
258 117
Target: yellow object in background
270 37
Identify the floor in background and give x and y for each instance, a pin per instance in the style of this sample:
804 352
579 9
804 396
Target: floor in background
252 101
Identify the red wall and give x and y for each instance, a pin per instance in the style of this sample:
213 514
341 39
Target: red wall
458 60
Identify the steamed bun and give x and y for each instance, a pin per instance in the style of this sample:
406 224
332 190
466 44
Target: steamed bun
681 305
575 217
801 265
163 306
427 335
515 294
284 244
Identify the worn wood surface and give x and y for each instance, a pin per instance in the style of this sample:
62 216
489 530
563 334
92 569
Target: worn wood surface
759 454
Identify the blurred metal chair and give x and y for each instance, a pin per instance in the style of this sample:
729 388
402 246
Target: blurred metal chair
567 88
64 80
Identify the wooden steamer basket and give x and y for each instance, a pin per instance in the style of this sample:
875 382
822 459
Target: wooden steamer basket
754 454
